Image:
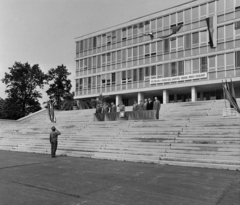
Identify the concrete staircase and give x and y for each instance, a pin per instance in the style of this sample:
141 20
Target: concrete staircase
187 134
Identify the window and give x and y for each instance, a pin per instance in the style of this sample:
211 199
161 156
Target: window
187 15
195 13
160 71
166 21
89 82
124 34
203 9
129 53
220 62
196 65
141 51
81 46
229 32
108 58
98 41
113 78
113 57
173 44
187 41
103 59
187 67
229 5
130 32
153 25
203 64
173 18
77 47
237 59
153 49
173 69
166 46
147 72
212 63
147 26
124 55
195 39
140 74
211 7
203 36
123 77
220 34
166 70
140 29
180 68
159 23
114 37
135 52
229 60
119 38
99 61
85 64
104 39
147 50
153 70
90 63
86 44
135 31
220 6
180 43
180 16
159 47
135 75
119 57
237 27
94 42
94 82
94 61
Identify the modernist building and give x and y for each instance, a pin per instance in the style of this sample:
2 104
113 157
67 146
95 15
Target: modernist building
178 54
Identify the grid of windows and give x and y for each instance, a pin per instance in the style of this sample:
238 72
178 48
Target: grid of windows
96 56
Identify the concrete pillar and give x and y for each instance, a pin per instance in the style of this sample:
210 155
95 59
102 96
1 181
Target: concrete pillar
118 99
165 97
140 97
194 94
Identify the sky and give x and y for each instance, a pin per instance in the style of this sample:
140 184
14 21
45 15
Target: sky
43 31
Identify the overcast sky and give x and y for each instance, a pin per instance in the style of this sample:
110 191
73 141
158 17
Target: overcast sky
43 31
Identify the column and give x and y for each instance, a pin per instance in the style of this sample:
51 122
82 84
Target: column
118 99
194 94
165 97
140 97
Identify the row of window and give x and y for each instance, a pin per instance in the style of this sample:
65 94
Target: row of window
162 23
154 49
205 64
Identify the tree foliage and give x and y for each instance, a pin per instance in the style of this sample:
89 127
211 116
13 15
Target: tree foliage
22 82
60 86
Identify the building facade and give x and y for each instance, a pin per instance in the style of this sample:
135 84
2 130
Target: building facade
178 54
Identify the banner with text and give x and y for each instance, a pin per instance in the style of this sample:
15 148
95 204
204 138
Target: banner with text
178 78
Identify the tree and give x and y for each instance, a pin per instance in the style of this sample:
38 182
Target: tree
61 85
2 108
22 95
68 102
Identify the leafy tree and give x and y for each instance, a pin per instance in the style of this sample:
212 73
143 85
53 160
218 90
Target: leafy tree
61 85
22 82
2 108
68 102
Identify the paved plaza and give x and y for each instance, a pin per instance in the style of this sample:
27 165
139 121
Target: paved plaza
38 179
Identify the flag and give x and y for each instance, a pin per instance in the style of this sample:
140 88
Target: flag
232 92
52 117
229 97
212 30
175 29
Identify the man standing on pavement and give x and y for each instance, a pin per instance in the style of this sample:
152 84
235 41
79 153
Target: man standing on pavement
113 107
54 140
157 106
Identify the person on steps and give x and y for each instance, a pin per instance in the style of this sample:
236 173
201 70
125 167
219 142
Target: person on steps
157 106
54 140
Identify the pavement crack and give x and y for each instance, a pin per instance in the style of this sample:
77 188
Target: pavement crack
46 189
23 165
